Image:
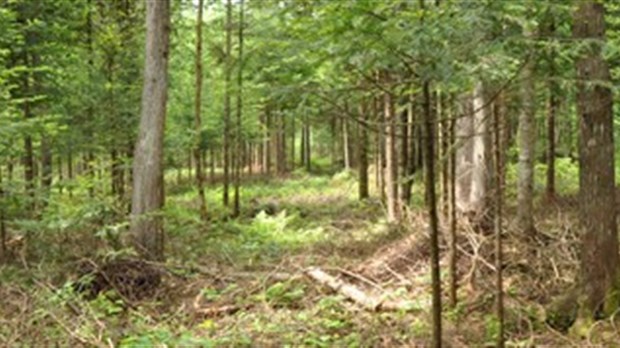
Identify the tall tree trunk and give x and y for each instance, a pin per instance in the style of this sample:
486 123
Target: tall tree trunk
452 254
362 152
268 141
147 233
431 204
527 146
28 157
391 160
380 116
498 204
405 137
445 154
345 141
551 112
238 140
227 96
600 271
3 236
198 114
412 162
482 168
46 164
308 157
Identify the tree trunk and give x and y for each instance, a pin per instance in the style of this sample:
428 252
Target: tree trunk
527 146
391 160
198 114
238 140
498 204
147 232
600 272
345 141
3 236
551 112
227 96
481 161
405 137
452 254
431 204
362 152
46 163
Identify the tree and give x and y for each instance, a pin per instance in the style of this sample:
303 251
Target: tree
147 234
600 264
198 114
527 146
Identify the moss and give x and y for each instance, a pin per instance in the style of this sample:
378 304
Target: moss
612 299
562 313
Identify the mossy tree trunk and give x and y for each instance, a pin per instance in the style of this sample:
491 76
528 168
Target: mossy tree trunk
599 243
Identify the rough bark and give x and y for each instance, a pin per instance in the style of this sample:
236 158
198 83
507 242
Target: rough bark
198 115
227 109
497 224
238 140
482 169
599 240
452 254
527 146
551 113
391 160
362 152
431 204
147 234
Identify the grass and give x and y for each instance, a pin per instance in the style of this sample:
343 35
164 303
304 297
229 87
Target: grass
235 263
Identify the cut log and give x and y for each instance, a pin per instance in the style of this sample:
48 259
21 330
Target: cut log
353 293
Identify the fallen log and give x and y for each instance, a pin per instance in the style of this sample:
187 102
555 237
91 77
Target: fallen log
353 293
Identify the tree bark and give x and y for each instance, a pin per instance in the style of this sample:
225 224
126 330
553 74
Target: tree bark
227 96
147 234
481 175
391 160
498 204
527 146
551 113
600 276
362 152
238 140
431 204
198 115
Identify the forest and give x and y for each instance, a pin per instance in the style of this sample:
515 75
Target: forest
324 173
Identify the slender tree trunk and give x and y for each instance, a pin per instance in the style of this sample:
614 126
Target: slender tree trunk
238 140
198 114
391 160
380 149
268 142
227 96
552 110
61 174
28 157
411 163
600 269
46 164
499 201
482 161
345 141
445 155
3 236
431 203
405 138
147 234
527 146
362 146
452 256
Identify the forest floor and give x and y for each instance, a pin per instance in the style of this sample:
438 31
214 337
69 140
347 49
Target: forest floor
252 281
